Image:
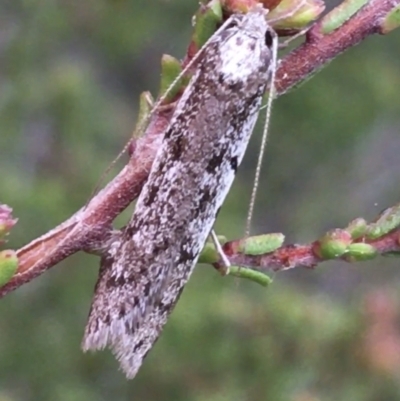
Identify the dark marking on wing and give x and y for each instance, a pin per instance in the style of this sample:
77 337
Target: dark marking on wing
146 289
185 256
138 345
234 163
216 161
116 281
235 87
151 196
178 147
122 311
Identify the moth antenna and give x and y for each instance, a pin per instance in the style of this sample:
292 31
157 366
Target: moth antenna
271 96
264 138
137 132
106 172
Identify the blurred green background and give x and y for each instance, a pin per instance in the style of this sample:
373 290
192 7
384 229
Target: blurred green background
70 75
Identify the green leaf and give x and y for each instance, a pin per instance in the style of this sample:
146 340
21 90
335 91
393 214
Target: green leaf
250 274
340 14
261 244
8 266
391 21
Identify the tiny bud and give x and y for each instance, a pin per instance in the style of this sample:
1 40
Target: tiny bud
333 244
250 274
391 21
357 228
304 14
261 244
387 221
205 23
360 251
6 220
8 266
240 6
170 69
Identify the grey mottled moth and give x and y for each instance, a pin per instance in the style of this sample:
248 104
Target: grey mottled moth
141 280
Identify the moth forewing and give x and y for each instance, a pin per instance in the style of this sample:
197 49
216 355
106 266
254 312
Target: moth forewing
141 280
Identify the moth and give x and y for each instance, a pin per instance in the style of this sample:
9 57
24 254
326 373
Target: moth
141 280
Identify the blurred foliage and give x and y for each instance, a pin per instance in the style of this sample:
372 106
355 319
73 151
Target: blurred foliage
70 75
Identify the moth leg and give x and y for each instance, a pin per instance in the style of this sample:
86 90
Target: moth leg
286 43
225 261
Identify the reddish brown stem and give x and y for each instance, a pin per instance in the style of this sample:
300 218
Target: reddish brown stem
92 223
320 49
295 255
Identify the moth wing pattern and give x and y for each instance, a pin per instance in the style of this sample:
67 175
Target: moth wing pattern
141 279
